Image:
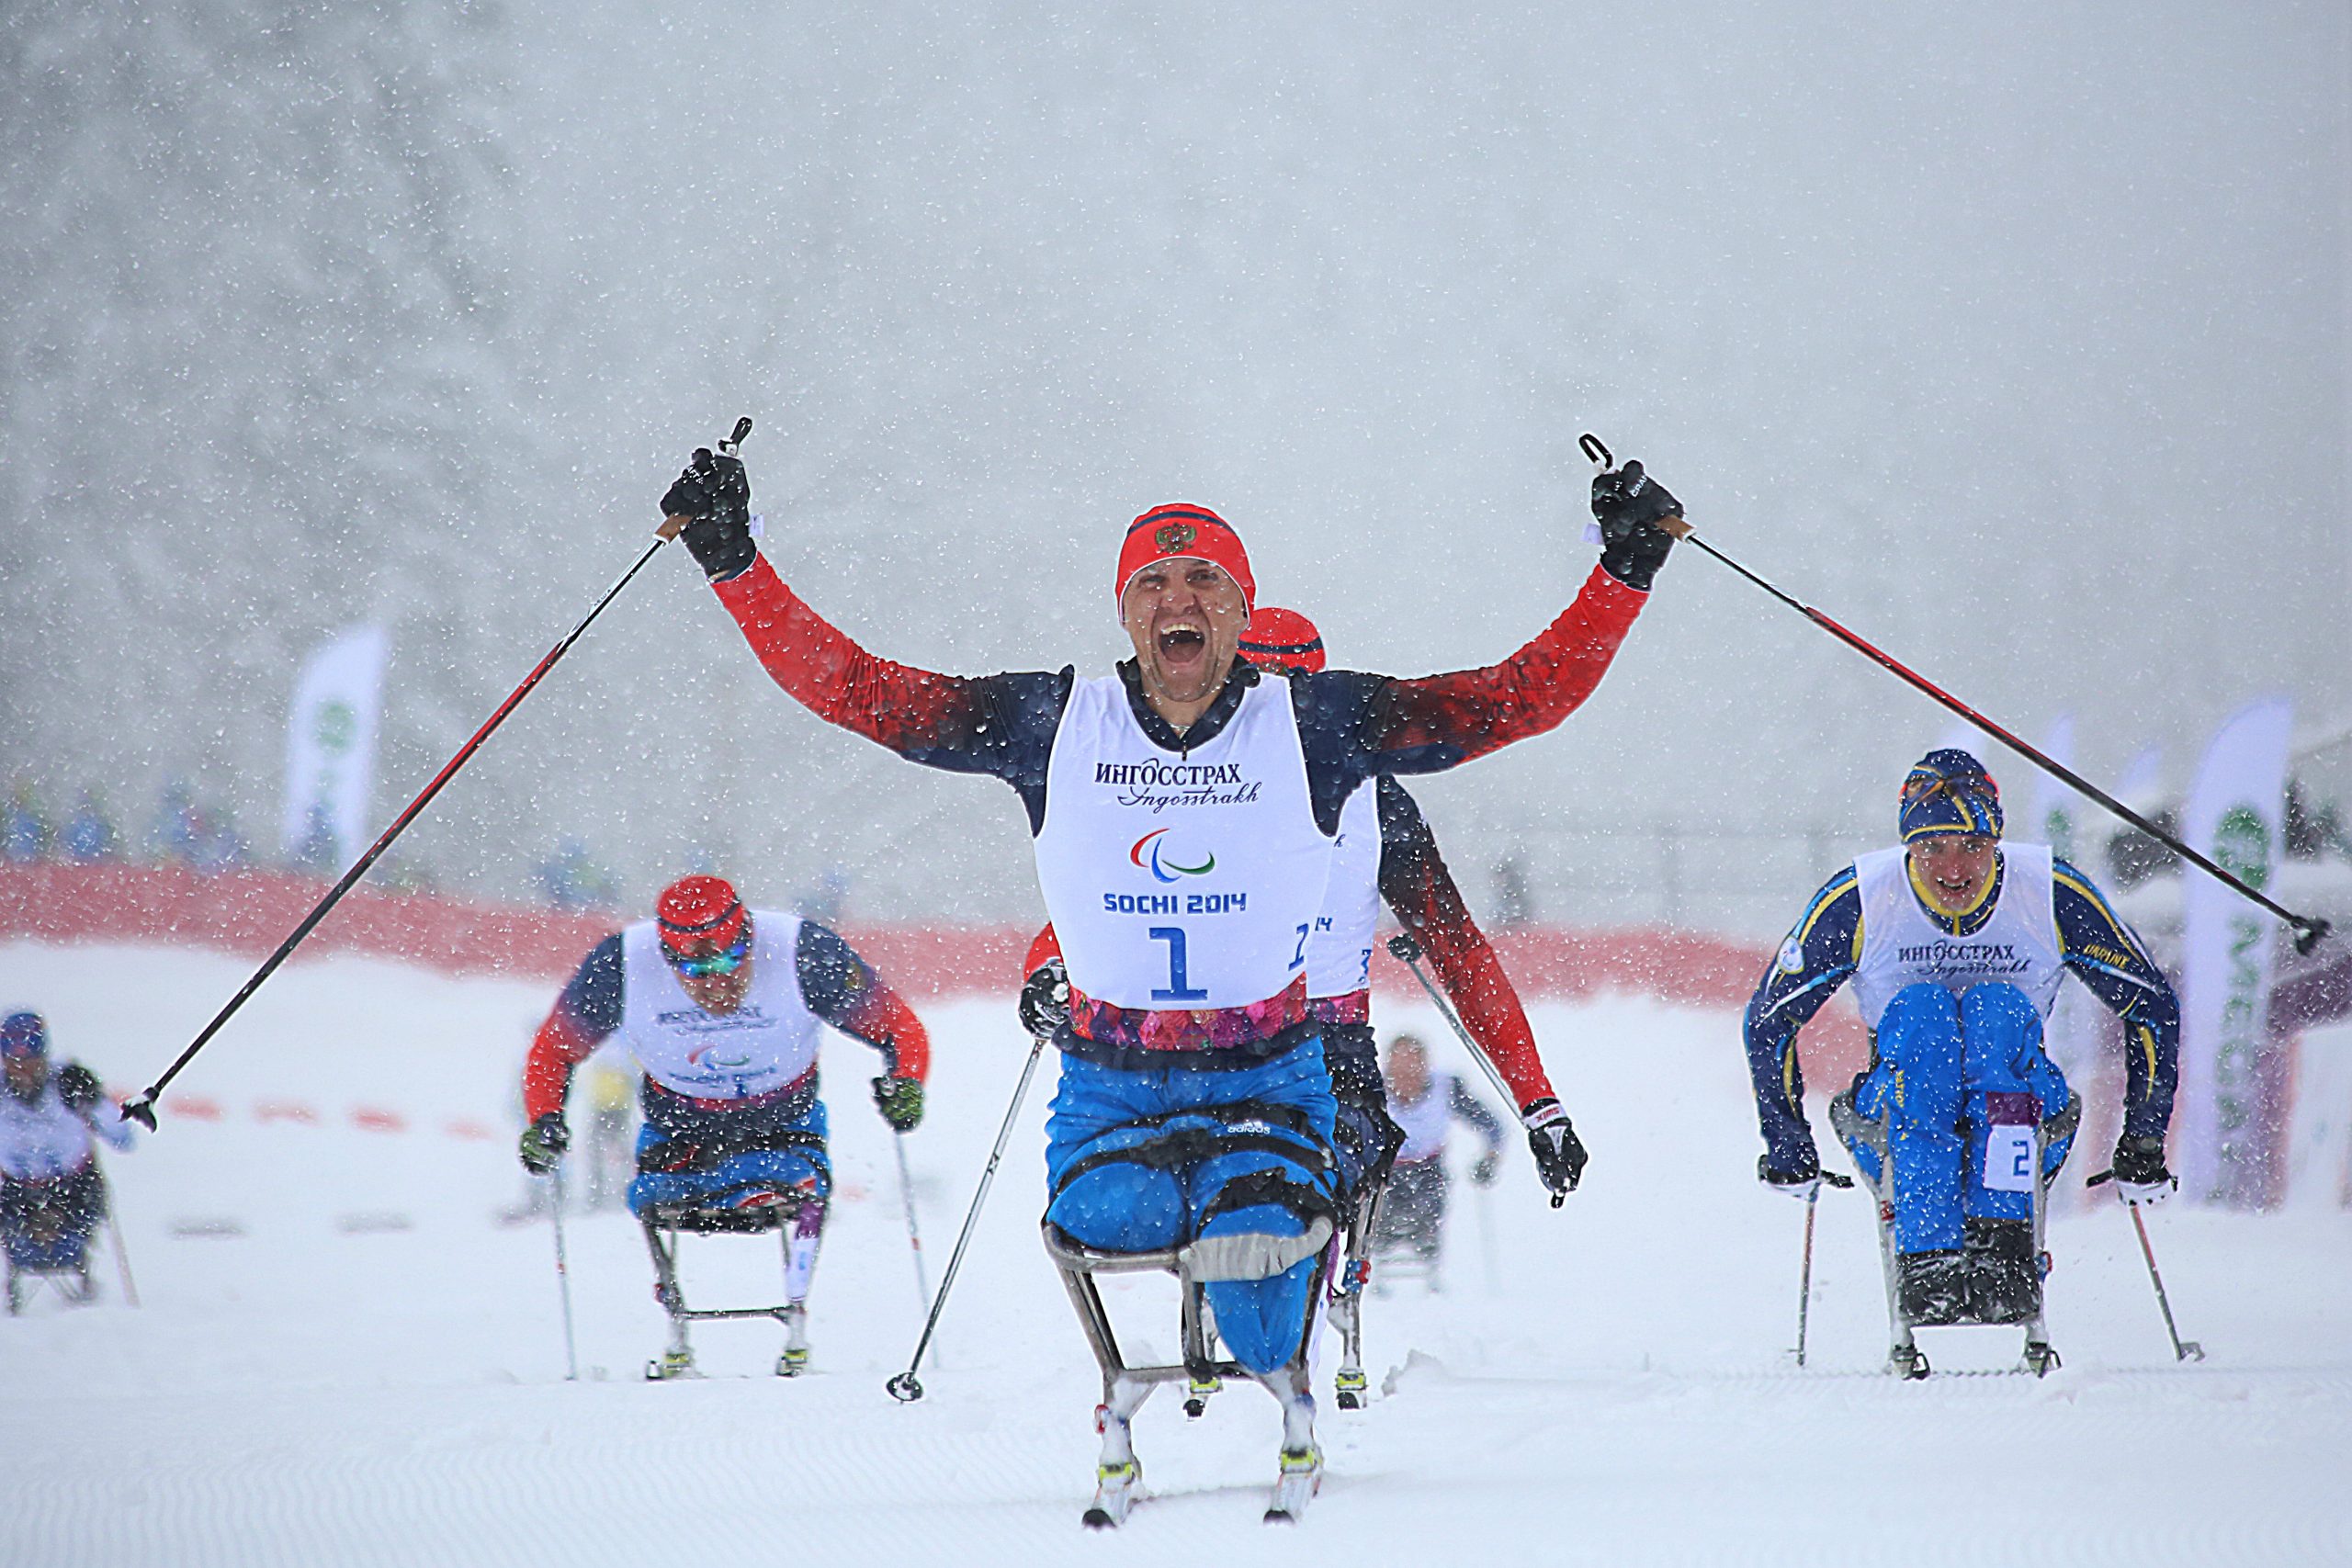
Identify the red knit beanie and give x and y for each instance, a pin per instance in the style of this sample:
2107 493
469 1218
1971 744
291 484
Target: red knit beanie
1167 533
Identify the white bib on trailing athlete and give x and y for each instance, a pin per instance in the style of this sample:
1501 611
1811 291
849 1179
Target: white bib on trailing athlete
761 1047
1339 954
1901 945
1181 881
41 1141
1425 1121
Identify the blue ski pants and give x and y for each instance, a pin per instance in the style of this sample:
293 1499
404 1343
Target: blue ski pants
1944 1066
1137 1161
687 1152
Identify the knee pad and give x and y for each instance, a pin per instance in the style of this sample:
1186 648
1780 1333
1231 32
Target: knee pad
2004 1047
1120 1207
1264 1321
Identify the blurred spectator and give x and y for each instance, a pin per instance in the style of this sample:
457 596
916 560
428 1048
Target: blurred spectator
90 836
219 846
319 851
175 833
1514 905
24 836
823 903
573 881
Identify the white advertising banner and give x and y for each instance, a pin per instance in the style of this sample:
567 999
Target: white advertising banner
331 749
2227 949
2057 810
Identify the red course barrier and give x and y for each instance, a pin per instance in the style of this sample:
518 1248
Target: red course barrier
249 912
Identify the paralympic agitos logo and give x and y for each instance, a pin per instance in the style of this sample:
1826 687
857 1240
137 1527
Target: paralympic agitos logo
1148 853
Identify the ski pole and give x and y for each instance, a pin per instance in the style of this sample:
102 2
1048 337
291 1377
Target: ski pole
114 1235
904 1387
563 1274
2182 1350
140 1108
1408 946
1804 1279
914 1236
1805 1276
2308 929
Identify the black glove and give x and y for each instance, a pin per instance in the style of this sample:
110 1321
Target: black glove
2141 1178
1559 1153
1483 1173
716 492
1796 1172
1044 1000
544 1142
1629 504
899 1101
78 1087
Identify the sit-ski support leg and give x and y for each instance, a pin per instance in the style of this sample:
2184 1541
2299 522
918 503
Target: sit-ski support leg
678 1359
662 1229
1349 1387
1903 1357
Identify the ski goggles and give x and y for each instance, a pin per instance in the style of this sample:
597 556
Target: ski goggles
724 962
1925 783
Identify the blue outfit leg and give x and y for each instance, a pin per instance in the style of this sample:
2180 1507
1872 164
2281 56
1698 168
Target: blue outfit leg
2004 1056
1914 1089
1138 1161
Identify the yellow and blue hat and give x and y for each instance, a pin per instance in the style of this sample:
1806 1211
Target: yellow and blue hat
1948 791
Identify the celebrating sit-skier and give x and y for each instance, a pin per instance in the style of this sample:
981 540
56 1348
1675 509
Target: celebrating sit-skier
722 1008
1182 812
1956 943
52 1194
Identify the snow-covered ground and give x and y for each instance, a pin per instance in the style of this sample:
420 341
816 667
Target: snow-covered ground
371 1371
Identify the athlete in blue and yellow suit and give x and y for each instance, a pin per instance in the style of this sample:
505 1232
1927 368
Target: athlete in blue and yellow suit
1956 990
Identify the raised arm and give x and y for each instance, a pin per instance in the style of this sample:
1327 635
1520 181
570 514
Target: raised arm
998 724
1416 885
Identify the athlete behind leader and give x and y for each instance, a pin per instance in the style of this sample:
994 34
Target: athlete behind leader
723 1008
1956 943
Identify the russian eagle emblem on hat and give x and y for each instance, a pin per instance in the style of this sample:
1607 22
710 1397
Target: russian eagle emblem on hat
1175 535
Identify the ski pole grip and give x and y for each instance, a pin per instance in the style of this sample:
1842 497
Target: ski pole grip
1832 1178
2100 1179
1406 946
1598 454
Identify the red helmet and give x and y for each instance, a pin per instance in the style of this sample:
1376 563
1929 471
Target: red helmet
695 908
1284 639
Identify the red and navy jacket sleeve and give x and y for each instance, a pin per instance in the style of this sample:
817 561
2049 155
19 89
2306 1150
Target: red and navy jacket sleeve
1414 883
843 990
1821 951
1001 726
584 1017
2107 956
1355 725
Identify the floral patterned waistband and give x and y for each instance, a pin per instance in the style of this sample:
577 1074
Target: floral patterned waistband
1353 1008
1201 1028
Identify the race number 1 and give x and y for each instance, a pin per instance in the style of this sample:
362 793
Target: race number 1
1180 987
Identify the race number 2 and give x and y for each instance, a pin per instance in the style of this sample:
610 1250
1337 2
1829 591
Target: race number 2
1180 987
2008 1159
